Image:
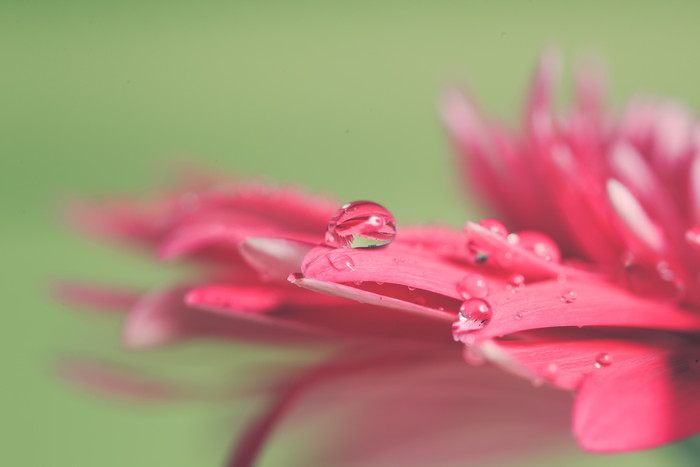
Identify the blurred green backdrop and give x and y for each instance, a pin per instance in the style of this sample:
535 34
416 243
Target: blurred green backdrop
96 97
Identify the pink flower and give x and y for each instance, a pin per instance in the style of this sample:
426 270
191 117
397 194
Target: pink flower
623 194
386 367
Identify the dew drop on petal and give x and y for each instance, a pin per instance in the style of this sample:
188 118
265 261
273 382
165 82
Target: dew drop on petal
411 288
550 371
519 316
361 224
473 356
494 226
603 360
380 283
473 286
692 237
474 314
568 296
340 261
540 244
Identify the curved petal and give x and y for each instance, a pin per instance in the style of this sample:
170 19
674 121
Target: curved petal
396 264
640 403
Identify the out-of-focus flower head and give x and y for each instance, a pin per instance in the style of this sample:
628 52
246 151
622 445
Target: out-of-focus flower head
623 194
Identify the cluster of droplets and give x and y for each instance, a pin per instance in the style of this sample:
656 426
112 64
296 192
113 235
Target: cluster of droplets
534 242
361 224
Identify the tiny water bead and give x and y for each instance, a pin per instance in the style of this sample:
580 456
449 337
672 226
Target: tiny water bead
474 314
340 261
361 224
473 286
568 296
603 360
515 282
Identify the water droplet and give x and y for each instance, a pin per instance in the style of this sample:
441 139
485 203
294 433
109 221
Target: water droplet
516 280
568 296
692 237
519 316
473 356
361 224
561 278
603 360
474 314
380 283
540 244
411 288
550 371
473 286
340 261
358 282
494 226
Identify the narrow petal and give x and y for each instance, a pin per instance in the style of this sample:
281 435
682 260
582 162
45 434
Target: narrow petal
104 298
577 303
641 403
370 298
564 357
110 380
162 318
239 298
275 258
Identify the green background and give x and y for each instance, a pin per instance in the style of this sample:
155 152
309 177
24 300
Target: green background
340 97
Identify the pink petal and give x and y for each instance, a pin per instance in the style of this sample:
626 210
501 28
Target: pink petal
370 298
565 357
423 407
395 264
238 298
275 258
110 380
510 257
162 317
96 296
640 403
542 305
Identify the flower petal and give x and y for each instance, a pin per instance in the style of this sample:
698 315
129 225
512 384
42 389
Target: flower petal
396 264
275 258
162 317
577 303
640 403
565 357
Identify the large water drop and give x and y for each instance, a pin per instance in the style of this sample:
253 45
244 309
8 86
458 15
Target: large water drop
361 224
474 314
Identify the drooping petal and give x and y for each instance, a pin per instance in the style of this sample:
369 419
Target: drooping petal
640 403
